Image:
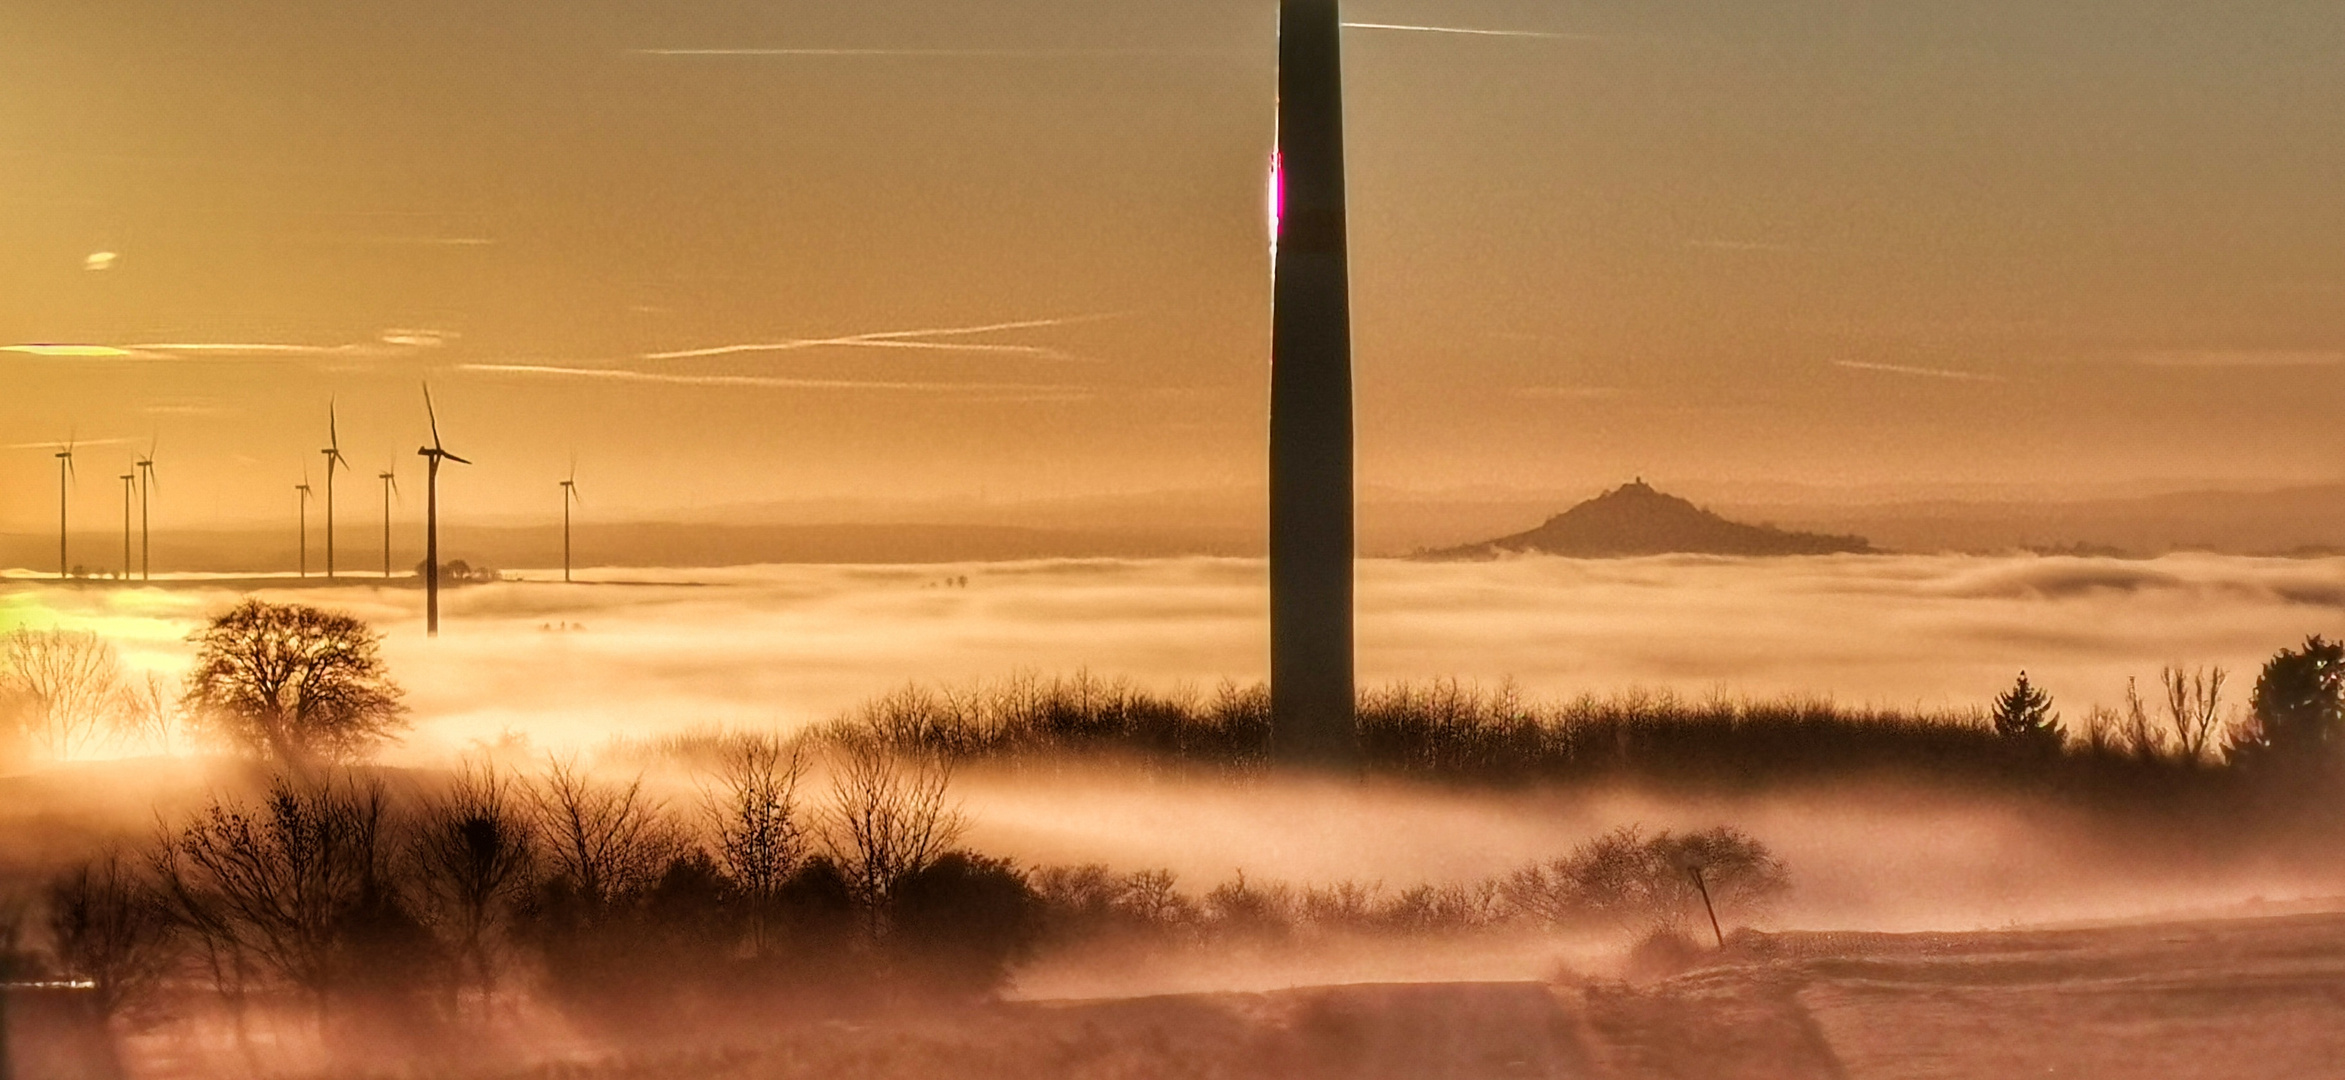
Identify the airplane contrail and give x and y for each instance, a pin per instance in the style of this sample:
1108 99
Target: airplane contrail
59 444
388 346
247 348
821 52
1412 28
899 339
74 352
767 381
1902 369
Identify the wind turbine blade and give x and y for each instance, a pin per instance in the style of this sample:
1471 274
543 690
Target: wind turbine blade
433 413
454 458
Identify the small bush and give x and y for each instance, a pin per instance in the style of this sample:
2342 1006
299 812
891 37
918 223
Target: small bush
1627 879
958 924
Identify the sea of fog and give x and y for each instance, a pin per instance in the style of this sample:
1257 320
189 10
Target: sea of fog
536 666
642 652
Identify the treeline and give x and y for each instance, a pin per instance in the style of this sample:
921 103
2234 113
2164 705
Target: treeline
425 905
2185 738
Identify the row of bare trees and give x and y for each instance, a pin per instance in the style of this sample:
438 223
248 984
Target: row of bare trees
66 692
2184 725
334 889
298 686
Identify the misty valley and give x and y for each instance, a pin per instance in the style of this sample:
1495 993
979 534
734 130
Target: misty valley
743 822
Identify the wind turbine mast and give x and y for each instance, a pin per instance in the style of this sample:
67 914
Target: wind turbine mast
65 476
333 453
569 496
1312 701
433 454
303 489
146 484
129 484
390 479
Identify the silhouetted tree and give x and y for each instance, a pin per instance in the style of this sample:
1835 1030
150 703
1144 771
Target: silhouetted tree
107 925
295 887
2194 707
760 840
63 686
606 845
889 819
2297 714
295 684
474 851
2024 714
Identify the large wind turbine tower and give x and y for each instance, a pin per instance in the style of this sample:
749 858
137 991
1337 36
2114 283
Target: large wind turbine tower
65 475
334 458
390 479
146 486
434 455
1311 692
569 496
302 489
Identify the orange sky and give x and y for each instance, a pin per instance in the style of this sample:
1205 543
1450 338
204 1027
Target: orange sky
1785 240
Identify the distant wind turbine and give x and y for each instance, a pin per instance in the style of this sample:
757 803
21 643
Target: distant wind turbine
569 495
333 453
390 479
129 486
303 488
146 485
65 475
435 453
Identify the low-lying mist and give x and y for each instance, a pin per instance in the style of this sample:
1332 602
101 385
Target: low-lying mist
790 646
1544 724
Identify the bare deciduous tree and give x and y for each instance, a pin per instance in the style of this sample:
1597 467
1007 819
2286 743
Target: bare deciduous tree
296 684
2194 708
280 886
65 686
2137 733
148 714
889 819
753 809
108 926
474 851
605 842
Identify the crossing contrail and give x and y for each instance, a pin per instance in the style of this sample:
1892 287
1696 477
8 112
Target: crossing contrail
1924 372
1415 29
764 381
900 339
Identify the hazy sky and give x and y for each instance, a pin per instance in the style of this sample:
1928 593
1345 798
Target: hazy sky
1828 242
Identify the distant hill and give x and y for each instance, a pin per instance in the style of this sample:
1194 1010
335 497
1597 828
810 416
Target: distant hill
1634 519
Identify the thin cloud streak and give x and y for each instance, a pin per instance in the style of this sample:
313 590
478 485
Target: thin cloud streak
2244 358
763 381
836 52
393 343
1570 393
77 444
902 339
75 352
1923 372
1414 29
